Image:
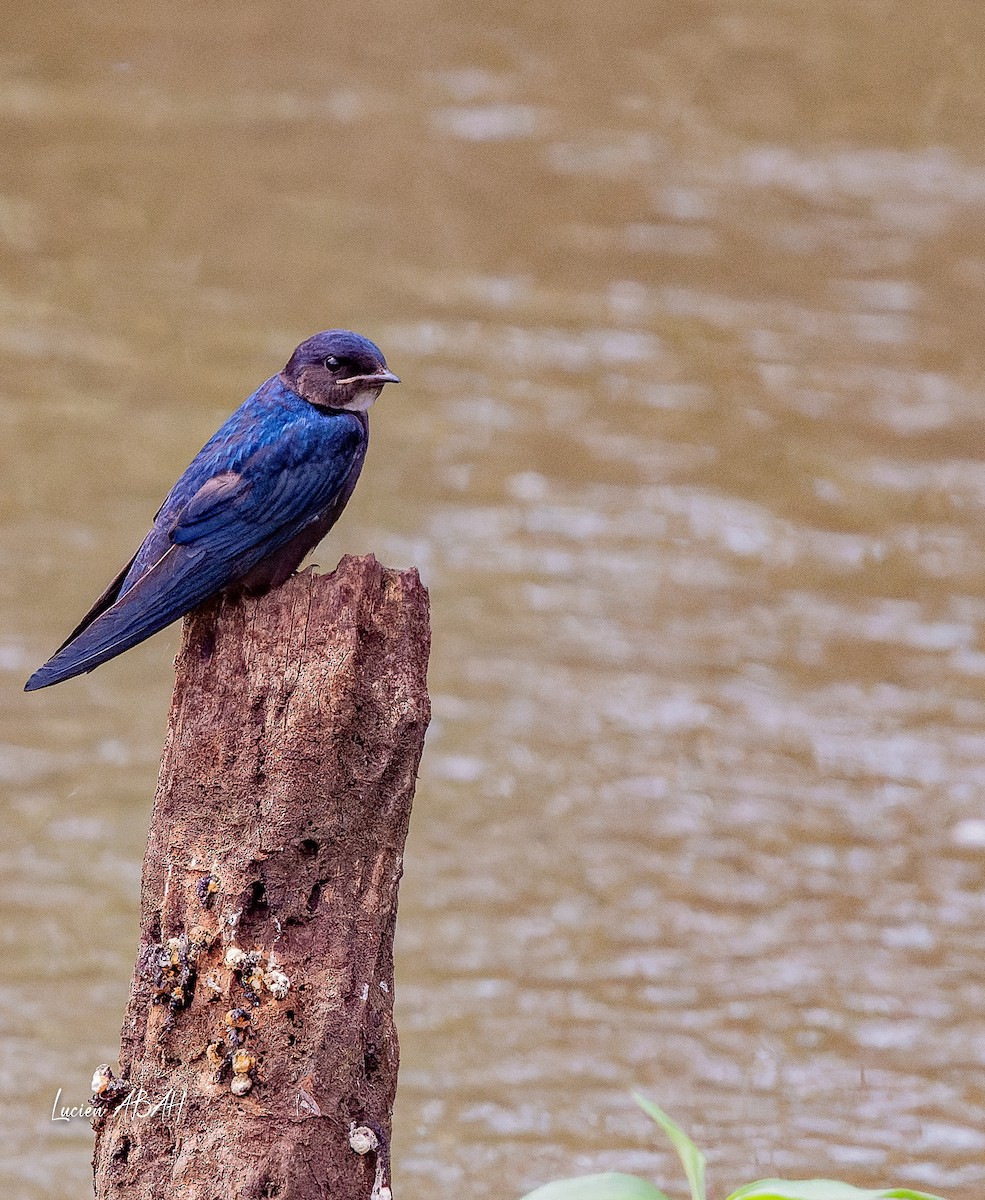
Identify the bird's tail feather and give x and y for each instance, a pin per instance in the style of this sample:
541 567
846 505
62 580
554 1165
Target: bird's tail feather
151 604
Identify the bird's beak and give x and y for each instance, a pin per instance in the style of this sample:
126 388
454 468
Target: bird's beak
376 379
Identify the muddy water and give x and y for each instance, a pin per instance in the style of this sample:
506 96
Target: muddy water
688 303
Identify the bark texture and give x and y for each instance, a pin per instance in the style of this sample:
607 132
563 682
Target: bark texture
259 1030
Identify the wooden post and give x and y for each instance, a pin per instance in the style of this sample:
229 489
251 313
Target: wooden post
258 1056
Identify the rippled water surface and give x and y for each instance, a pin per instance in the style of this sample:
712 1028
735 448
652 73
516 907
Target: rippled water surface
688 304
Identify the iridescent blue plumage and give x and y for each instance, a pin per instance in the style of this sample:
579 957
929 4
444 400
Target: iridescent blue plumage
258 496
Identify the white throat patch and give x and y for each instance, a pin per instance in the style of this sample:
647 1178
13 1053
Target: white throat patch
363 400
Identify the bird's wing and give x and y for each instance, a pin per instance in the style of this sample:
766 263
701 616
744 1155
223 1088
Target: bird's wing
205 540
105 600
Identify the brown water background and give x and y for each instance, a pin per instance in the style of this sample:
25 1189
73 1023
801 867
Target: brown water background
687 299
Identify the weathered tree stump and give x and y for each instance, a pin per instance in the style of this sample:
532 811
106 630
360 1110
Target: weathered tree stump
259 1056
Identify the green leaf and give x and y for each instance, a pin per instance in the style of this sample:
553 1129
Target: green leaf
689 1154
820 1189
610 1186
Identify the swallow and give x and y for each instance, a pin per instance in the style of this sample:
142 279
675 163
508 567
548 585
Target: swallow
261 493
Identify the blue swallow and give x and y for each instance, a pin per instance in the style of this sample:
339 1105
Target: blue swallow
257 498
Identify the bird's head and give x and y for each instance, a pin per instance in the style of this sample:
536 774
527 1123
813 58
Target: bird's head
338 369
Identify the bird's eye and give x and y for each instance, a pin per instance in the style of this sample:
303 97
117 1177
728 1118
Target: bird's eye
332 363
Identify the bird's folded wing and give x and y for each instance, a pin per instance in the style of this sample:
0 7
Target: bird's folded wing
231 522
